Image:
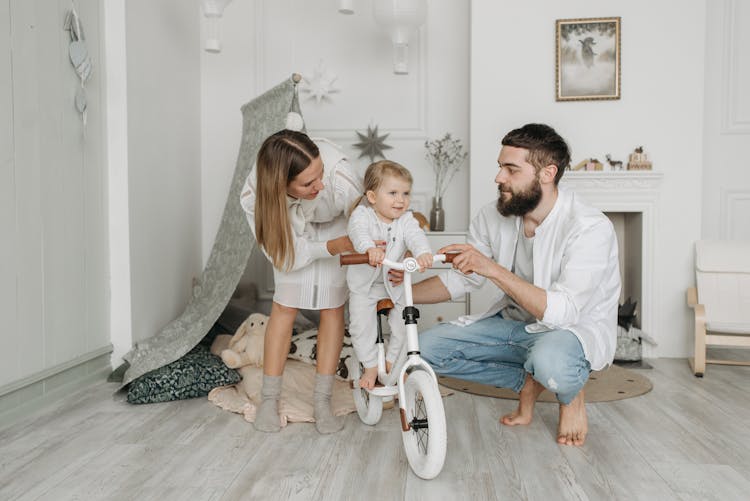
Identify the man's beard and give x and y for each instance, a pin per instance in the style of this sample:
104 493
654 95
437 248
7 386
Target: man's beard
521 203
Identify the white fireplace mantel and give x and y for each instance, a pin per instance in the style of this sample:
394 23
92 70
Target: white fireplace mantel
628 191
614 187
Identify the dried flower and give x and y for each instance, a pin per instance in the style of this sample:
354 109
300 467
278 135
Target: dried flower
446 155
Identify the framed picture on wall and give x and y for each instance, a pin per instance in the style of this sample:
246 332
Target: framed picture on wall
587 65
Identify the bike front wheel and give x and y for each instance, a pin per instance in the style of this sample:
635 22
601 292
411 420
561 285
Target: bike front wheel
425 441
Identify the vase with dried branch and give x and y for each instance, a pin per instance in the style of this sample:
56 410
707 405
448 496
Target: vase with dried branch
446 155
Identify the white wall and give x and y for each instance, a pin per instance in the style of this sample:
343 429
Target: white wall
726 179
164 199
266 41
513 82
53 215
115 69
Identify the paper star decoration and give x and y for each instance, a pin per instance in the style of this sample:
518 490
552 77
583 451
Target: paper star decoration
319 86
371 144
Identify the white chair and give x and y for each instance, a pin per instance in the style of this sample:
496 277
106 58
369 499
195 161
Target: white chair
721 299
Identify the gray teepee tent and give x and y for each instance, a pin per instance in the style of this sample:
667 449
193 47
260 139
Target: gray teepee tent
261 117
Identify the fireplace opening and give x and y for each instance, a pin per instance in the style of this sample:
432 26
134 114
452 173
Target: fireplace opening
629 230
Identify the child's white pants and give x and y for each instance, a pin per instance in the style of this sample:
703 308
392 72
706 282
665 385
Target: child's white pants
363 326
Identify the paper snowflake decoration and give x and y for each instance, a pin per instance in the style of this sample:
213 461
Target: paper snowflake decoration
371 144
319 86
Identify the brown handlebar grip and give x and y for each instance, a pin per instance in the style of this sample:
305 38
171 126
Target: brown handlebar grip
450 256
345 259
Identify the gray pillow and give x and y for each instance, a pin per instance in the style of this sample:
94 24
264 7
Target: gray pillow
192 376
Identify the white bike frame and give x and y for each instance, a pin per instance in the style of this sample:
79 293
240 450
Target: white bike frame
413 357
423 419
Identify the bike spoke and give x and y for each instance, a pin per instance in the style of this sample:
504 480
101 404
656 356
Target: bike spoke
420 424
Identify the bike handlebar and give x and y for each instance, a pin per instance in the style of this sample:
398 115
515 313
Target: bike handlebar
346 259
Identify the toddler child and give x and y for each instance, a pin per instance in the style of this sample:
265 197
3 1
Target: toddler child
381 214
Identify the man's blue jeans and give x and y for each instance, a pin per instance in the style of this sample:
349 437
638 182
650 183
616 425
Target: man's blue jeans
499 352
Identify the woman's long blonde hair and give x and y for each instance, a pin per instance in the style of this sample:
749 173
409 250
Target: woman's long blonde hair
281 158
378 171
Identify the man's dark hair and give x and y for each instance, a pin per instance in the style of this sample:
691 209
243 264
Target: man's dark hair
544 144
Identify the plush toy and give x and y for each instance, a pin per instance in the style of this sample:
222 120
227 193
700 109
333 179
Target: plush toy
246 346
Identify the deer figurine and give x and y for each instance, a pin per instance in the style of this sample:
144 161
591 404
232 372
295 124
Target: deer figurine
615 164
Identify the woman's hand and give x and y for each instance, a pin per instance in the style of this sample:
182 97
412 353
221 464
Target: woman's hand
339 245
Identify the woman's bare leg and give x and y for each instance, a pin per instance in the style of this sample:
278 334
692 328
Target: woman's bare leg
278 339
275 350
330 340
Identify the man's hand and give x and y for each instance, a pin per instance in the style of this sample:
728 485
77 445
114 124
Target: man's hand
470 260
396 277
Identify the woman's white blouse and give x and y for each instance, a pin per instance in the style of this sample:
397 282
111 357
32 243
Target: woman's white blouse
316 280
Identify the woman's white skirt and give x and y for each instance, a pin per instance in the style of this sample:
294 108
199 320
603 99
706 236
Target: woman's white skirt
321 284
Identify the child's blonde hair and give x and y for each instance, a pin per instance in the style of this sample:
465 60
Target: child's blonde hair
377 172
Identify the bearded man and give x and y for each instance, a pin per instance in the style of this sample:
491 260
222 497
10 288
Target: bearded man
554 262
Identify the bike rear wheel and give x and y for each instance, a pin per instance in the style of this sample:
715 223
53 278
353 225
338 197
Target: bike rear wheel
369 406
425 441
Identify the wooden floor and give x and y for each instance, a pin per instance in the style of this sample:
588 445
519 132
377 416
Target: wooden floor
687 439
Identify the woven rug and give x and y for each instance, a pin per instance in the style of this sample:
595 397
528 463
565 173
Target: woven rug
615 383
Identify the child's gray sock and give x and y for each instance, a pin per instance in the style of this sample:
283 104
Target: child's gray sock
325 421
267 416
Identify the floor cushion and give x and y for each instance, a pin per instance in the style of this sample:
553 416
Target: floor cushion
193 375
304 348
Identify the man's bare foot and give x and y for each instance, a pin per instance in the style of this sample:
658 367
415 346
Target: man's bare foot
526 400
367 381
573 424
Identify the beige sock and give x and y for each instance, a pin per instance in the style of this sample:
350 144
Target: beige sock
267 416
325 421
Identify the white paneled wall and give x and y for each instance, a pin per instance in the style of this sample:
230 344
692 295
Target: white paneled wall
8 295
163 133
513 82
266 41
54 296
183 126
726 180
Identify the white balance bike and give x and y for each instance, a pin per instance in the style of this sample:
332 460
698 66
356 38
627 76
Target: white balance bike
411 378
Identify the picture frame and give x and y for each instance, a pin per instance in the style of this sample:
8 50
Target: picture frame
587 62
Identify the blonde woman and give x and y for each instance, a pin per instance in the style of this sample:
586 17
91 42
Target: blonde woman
297 199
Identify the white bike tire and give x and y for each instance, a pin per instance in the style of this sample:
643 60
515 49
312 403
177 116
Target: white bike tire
426 447
369 406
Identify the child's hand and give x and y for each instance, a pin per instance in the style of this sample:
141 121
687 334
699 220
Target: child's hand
425 261
376 255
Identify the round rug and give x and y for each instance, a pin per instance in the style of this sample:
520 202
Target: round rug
615 383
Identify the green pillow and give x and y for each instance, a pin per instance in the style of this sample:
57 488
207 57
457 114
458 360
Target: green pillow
193 375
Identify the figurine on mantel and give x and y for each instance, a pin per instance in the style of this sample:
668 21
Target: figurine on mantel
588 164
639 160
614 164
